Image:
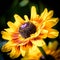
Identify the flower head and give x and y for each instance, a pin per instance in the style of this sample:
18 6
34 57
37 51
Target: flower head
52 51
26 34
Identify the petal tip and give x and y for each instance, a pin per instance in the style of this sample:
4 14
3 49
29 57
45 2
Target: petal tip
15 15
33 7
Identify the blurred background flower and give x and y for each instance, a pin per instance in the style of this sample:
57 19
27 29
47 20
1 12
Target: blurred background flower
9 7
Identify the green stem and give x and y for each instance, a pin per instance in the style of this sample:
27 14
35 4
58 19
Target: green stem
42 51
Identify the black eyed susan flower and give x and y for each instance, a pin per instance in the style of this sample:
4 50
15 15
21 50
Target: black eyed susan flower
52 52
52 55
23 35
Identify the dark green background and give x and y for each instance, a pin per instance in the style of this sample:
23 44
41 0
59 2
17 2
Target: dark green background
9 7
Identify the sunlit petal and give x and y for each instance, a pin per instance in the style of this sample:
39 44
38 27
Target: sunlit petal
53 33
11 25
15 52
7 47
49 15
34 51
26 18
52 22
5 34
25 48
44 13
38 42
18 20
33 12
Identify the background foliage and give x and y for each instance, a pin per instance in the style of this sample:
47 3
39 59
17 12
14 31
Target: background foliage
9 7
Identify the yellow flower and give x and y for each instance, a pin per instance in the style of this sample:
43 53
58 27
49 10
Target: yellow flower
26 34
50 50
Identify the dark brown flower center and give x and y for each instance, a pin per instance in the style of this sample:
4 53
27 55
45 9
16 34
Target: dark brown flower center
26 29
48 57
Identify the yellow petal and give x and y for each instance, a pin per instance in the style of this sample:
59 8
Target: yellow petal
6 35
22 51
11 25
26 18
38 42
53 33
31 52
44 13
9 30
34 51
33 12
7 47
24 48
49 15
53 45
52 22
18 20
15 52
43 33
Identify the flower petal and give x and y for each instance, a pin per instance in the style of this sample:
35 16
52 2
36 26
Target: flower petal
23 51
26 18
38 42
53 45
34 51
56 54
53 33
52 22
33 12
30 56
7 47
6 35
15 52
11 25
24 48
49 15
9 30
43 33
18 20
44 13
